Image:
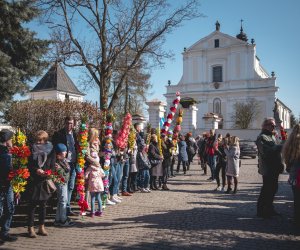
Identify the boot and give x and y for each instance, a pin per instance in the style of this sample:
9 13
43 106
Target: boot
31 232
165 187
155 187
42 230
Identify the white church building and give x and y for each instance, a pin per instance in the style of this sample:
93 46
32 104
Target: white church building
220 70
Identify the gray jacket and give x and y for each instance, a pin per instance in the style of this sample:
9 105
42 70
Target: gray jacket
269 154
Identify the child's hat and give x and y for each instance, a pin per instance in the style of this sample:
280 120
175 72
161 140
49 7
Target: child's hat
60 147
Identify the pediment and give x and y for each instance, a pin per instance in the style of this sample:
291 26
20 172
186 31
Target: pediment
208 42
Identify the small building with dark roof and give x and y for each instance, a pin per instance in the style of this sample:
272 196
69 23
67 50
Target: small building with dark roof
57 85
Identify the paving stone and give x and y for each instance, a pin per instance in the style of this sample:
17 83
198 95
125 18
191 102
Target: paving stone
189 216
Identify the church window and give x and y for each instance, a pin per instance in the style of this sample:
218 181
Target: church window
217 43
217 74
217 106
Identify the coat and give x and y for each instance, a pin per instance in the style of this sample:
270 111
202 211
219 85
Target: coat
94 177
6 166
37 184
182 156
233 161
153 153
269 154
61 137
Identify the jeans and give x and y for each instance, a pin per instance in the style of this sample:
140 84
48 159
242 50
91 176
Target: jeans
212 161
166 166
125 176
71 184
132 182
145 178
267 193
7 209
62 199
42 212
96 196
116 176
183 165
221 167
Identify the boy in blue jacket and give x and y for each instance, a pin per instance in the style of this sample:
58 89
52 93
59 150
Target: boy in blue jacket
6 192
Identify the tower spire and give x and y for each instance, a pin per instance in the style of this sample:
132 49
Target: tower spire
242 36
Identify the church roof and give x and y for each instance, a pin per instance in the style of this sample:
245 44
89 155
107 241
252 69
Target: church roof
56 79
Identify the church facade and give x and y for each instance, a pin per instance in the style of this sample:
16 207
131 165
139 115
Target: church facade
219 71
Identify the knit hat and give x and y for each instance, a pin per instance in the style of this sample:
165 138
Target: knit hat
60 147
5 135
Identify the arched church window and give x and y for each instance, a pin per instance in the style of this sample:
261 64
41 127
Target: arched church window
217 106
217 74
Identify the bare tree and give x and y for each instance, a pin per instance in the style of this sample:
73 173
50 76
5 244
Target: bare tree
95 34
245 113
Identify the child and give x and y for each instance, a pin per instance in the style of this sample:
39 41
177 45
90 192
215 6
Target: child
94 173
233 163
6 191
63 169
144 166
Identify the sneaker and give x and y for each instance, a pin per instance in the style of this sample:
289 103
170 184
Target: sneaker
223 189
109 202
209 179
144 190
98 213
119 197
67 223
83 213
148 190
115 200
218 188
57 223
8 237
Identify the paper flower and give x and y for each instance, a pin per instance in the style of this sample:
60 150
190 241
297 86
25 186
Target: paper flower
20 153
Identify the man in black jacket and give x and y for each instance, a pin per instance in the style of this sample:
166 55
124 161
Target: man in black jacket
269 166
6 192
68 137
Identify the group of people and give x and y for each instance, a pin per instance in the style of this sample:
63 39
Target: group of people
221 154
144 168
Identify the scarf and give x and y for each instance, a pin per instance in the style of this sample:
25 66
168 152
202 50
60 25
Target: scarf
40 152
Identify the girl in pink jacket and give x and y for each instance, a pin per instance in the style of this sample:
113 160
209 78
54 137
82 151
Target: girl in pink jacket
94 173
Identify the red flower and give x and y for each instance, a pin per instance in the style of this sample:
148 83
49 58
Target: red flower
11 175
48 172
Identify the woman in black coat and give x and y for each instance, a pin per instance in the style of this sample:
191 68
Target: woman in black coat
155 160
41 160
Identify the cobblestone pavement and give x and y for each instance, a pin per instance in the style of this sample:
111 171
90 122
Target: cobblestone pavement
189 216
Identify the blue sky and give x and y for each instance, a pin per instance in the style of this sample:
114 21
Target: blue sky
273 24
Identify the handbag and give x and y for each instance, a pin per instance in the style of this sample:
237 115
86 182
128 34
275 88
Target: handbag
154 162
50 186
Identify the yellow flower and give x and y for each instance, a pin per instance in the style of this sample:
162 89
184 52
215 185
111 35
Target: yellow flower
23 161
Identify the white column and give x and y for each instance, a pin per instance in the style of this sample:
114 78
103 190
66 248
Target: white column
189 119
156 111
